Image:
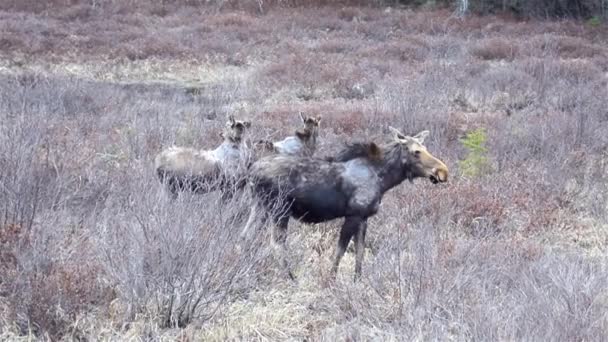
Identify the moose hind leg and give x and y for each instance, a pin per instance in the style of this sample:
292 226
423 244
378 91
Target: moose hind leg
173 187
360 248
349 228
279 239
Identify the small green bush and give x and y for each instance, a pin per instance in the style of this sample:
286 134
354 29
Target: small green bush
477 162
594 21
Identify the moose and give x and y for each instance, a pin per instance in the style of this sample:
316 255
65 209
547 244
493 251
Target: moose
203 171
303 143
349 185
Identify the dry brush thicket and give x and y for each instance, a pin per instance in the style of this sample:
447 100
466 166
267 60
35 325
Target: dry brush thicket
92 247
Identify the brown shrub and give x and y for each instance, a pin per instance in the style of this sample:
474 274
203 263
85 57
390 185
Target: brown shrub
539 8
76 12
601 61
33 5
239 19
542 209
49 294
358 14
350 89
140 49
315 76
567 46
278 116
543 218
10 236
338 46
348 13
433 22
11 43
347 122
59 295
298 68
571 70
495 48
578 70
409 48
481 210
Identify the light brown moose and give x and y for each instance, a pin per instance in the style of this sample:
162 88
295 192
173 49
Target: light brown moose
202 171
303 143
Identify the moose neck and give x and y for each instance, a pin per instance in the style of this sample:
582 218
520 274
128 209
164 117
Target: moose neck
391 170
232 139
308 137
311 143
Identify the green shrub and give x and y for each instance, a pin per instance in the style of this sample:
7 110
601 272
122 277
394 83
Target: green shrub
477 162
594 21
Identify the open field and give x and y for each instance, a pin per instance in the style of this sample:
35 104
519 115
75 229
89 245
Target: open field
513 247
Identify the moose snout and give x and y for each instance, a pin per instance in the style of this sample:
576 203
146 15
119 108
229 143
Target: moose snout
439 174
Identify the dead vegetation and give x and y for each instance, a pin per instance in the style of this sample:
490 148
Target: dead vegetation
91 247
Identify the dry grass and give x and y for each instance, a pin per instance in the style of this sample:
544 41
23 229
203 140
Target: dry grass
91 246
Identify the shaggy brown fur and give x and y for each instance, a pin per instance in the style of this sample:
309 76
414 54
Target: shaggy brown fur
370 151
201 171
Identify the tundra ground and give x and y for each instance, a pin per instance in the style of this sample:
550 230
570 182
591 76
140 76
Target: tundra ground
513 247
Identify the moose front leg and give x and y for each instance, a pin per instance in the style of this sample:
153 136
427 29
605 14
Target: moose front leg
255 209
360 248
231 186
349 228
173 187
279 241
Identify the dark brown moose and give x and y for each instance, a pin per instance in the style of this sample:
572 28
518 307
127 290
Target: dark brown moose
350 185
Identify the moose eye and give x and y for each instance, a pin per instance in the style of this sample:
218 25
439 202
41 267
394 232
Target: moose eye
417 153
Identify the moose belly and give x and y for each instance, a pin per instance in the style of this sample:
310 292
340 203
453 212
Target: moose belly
318 206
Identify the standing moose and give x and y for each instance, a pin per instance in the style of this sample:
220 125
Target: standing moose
202 171
350 185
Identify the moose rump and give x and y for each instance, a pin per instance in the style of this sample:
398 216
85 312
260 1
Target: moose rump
188 169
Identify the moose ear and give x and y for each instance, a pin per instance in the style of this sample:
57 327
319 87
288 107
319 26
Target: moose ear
247 124
396 134
421 136
231 121
319 119
302 117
